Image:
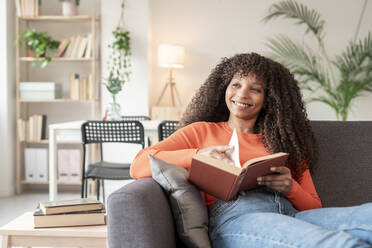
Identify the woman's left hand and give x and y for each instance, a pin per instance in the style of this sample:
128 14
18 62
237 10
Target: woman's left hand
280 181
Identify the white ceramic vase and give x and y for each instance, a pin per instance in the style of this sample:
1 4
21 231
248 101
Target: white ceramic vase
69 8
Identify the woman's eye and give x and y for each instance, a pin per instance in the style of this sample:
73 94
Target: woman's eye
235 85
256 90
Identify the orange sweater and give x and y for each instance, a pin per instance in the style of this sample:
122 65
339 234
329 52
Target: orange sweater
182 145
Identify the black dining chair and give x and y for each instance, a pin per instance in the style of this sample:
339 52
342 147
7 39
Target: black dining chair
166 128
137 118
99 132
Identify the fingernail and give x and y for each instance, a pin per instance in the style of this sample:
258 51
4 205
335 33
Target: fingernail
272 168
259 178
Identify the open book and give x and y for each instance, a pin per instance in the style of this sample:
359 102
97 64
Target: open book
223 180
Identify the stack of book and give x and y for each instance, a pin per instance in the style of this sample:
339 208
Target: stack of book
32 130
27 7
76 47
76 212
81 88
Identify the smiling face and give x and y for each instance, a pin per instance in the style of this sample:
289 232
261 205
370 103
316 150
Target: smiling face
244 97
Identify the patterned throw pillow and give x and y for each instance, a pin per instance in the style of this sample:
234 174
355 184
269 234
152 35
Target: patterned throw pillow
188 207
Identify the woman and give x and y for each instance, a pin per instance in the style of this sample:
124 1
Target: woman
261 100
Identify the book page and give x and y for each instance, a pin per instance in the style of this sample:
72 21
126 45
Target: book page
267 157
234 154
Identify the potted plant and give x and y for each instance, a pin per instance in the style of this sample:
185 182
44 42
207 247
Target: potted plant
315 69
37 44
70 7
119 67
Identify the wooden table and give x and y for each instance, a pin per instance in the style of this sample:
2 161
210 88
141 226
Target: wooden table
21 232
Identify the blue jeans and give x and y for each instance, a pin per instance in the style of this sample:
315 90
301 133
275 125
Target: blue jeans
265 218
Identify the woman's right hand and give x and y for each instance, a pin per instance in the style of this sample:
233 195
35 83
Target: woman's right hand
218 152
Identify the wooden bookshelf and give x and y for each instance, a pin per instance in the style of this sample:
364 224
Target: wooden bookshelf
23 68
57 18
30 59
62 100
46 182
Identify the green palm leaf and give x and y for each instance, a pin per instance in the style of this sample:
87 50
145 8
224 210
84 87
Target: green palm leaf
356 60
293 10
315 72
299 59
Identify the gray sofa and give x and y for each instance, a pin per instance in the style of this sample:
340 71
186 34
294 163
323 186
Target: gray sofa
138 214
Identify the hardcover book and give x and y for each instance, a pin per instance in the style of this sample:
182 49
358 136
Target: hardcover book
223 180
95 217
69 206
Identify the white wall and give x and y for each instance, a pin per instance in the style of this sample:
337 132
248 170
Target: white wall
211 29
7 132
134 96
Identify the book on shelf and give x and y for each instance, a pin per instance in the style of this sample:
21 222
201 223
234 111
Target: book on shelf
86 218
70 46
70 206
82 47
63 47
27 8
206 171
88 50
21 129
81 88
34 129
75 48
79 46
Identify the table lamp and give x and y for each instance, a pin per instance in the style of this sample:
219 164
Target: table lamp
170 56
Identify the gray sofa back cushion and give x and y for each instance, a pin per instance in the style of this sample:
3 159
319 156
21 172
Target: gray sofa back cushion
343 173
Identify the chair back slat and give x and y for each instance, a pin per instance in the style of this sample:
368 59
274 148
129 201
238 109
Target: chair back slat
166 128
113 131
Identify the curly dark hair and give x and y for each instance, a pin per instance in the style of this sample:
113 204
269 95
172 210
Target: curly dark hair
282 121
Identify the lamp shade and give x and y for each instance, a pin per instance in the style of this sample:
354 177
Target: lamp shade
171 56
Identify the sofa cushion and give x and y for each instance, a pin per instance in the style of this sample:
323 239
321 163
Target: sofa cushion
188 207
342 175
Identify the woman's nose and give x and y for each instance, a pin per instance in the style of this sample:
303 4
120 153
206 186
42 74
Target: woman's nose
243 92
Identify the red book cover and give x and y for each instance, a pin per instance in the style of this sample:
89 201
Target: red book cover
224 181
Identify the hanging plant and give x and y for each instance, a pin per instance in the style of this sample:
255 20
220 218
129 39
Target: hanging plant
119 64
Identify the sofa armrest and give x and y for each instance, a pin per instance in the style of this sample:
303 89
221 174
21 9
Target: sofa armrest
138 215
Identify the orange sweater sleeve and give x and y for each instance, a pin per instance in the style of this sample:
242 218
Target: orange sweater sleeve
178 149
303 194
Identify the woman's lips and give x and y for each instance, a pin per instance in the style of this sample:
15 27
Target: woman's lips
242 104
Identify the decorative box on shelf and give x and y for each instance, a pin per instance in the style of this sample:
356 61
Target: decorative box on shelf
40 90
